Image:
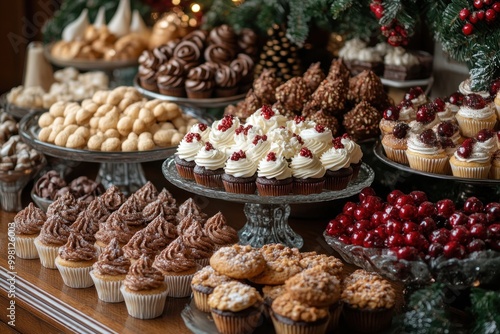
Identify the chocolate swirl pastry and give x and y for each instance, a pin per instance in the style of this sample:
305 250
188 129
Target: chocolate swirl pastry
243 65
201 78
146 194
29 220
223 35
111 261
172 73
66 207
114 227
98 210
131 212
247 42
219 54
112 198
199 37
148 60
48 185
226 77
142 276
219 232
200 245
189 207
83 189
163 53
77 249
187 51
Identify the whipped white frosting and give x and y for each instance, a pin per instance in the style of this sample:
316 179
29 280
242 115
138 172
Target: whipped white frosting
446 115
419 100
453 107
211 159
417 146
418 127
240 168
465 89
489 145
351 49
223 138
277 169
479 154
259 150
353 149
275 121
100 19
242 138
482 113
188 150
312 134
304 167
204 134
317 147
369 54
286 148
298 127
335 159
407 114
399 57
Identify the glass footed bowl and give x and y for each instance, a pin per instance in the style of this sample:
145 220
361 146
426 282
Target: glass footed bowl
42 203
477 269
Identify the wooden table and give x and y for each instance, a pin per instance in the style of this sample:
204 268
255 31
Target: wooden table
43 304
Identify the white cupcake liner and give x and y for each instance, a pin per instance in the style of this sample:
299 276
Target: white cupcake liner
203 262
76 277
495 173
144 306
25 248
398 156
107 290
470 172
47 254
429 165
469 127
201 300
179 286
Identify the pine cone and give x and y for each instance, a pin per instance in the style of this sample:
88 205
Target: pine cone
326 120
330 96
362 121
313 76
293 94
265 86
368 87
338 70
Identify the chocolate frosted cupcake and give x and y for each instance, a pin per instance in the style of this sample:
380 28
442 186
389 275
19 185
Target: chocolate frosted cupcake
178 267
131 214
115 227
188 52
151 240
219 54
171 78
226 81
336 161
67 207
203 284
198 37
112 198
97 210
189 207
109 272
223 35
27 225
144 290
187 222
146 194
200 246
148 65
54 234
187 150
200 82
86 225
75 260
314 76
219 232
243 66
164 206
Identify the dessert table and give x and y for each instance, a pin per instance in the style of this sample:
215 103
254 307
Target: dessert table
44 304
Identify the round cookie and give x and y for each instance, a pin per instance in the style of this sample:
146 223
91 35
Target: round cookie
281 263
330 264
238 261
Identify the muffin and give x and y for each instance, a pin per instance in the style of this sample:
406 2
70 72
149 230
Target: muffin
290 316
474 115
274 176
144 290
416 96
235 308
426 154
54 234
396 143
308 173
27 225
75 260
389 119
323 262
239 174
471 161
203 284
199 245
178 267
200 82
209 166
269 294
186 152
114 227
238 262
219 232
109 272
336 162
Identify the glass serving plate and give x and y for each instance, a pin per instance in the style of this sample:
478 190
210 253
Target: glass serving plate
122 169
16 111
477 269
267 216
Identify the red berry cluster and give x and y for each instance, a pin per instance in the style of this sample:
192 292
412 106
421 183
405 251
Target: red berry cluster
306 153
337 142
271 156
485 10
391 113
208 146
191 136
298 119
267 112
238 155
346 136
474 101
243 129
299 138
412 227
319 128
396 34
202 126
225 123
258 138
377 8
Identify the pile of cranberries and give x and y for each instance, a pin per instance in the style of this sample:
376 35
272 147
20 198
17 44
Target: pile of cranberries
413 228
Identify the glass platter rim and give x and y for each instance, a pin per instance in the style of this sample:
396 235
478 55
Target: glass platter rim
170 173
28 131
202 103
99 64
16 111
378 151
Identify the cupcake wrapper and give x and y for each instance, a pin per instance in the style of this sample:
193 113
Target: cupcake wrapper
274 190
398 156
185 172
211 181
282 327
337 183
470 172
333 321
429 165
47 254
179 286
307 188
495 173
366 321
203 262
107 291
149 84
201 301
144 306
206 94
77 278
26 249
355 170
469 127
239 188
227 324
173 91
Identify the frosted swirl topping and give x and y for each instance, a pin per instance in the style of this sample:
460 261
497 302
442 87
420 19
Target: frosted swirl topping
399 57
114 227
226 77
143 276
147 193
172 74
246 133
130 212
274 168
159 208
243 167
198 243
222 133
210 158
318 133
417 146
267 119
187 51
479 154
54 231
419 127
223 35
489 145
66 206
77 249
299 124
308 166
353 149
335 159
201 78
351 49
98 210
29 220
258 148
175 258
86 225
189 146
482 113
112 198
219 232
111 261
189 207
407 113
465 89
202 129
186 222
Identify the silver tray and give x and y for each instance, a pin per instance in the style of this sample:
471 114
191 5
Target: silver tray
199 103
87 65
16 111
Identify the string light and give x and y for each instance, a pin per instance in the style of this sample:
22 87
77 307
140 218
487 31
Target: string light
195 8
176 2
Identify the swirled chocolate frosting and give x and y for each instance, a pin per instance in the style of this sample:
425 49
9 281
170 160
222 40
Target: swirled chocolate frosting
143 276
219 232
176 258
112 261
54 231
114 227
77 249
29 220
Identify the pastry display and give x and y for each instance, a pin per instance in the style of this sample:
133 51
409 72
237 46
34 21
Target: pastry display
113 121
69 85
202 64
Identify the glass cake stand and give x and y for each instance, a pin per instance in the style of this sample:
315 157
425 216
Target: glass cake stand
16 111
122 169
267 216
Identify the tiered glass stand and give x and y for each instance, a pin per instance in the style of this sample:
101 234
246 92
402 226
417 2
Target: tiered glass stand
267 216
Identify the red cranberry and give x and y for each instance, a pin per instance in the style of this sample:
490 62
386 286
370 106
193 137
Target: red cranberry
404 199
334 228
391 113
427 226
492 212
299 119
495 86
435 250
480 15
378 218
361 213
319 128
428 137
358 237
478 4
345 220
362 225
238 155
490 15
426 209
208 146
267 112
409 226
460 234
345 239
367 191
439 104
405 104
464 14
380 231
425 114
407 253
494 231
445 207
413 93
395 240
484 134
192 136
478 231
393 226
418 196
413 239
372 240
473 205
305 152
372 204
457 218
454 249
349 230
349 208
408 212
441 236
393 196
476 245
446 129
456 98
392 211
474 101
400 130
477 218
496 6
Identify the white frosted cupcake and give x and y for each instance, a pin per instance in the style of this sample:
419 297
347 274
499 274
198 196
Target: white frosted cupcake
284 142
317 139
471 161
308 173
202 129
240 174
209 166
274 176
222 132
258 148
337 164
355 154
27 225
426 154
267 119
186 152
299 124
475 114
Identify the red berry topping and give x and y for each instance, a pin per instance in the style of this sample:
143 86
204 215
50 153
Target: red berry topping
474 101
191 136
428 137
337 143
446 129
299 138
426 113
240 129
258 138
208 146
490 15
319 128
465 149
495 86
346 136
439 104
456 98
464 14
400 130
202 126
225 123
238 155
271 156
391 114
484 134
267 112
306 153
299 119
478 4
413 93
